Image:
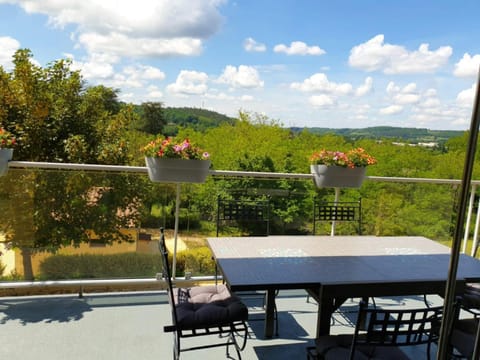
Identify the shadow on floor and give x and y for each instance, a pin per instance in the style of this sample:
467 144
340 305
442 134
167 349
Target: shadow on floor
47 310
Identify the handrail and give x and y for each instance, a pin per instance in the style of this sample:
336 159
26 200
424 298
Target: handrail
259 174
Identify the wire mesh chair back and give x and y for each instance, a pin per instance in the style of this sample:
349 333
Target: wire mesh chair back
392 327
252 216
339 211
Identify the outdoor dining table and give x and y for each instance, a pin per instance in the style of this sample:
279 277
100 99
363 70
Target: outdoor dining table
335 268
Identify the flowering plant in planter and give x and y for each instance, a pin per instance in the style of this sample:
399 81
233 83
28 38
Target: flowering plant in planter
357 157
7 140
170 148
169 160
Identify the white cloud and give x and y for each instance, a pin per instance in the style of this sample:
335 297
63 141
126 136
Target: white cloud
189 83
241 77
8 46
246 98
251 45
466 97
391 110
123 45
321 100
320 83
468 66
154 92
365 88
403 96
298 48
219 96
151 28
375 55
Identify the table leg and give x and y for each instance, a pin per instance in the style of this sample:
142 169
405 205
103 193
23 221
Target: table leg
270 314
326 307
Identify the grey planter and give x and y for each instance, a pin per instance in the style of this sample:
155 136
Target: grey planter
337 176
177 170
5 157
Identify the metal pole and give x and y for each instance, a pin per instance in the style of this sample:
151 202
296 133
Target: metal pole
448 307
177 215
477 224
337 196
469 217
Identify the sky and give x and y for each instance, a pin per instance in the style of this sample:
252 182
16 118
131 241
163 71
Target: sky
303 63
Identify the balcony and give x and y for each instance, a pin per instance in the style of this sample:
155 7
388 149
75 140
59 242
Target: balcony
108 324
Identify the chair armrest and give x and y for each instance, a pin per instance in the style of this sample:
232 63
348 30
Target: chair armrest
169 328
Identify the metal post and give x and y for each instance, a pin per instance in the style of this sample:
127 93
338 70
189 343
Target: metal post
477 225
337 196
469 217
448 307
177 215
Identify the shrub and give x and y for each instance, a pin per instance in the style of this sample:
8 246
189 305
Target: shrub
85 266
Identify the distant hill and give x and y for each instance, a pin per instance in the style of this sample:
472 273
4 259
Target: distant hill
414 135
202 119
199 119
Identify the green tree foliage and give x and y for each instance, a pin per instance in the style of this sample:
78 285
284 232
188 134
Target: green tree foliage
152 118
57 119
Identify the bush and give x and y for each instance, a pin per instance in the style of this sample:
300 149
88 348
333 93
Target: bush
88 266
127 265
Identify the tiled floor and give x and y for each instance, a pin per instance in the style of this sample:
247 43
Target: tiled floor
130 326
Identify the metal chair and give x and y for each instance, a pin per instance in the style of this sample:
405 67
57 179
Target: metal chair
465 337
337 211
203 311
252 217
386 332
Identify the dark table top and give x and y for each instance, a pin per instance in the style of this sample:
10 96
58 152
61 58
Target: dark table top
290 262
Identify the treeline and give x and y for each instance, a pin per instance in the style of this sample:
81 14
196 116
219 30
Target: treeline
409 135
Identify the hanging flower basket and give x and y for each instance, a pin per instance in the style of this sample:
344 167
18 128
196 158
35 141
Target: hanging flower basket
177 170
337 176
5 157
170 160
340 169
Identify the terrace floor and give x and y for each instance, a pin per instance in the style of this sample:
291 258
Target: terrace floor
130 326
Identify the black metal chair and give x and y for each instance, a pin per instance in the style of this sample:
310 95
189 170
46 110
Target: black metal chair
465 338
204 311
339 211
386 332
252 216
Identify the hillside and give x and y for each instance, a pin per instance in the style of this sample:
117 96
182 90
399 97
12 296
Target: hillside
413 135
202 119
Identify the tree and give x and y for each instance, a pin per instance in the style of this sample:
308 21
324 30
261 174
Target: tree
152 118
56 118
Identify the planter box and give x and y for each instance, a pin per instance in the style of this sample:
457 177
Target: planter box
337 176
5 157
177 170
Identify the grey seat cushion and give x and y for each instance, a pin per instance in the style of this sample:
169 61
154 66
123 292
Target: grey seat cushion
205 306
337 347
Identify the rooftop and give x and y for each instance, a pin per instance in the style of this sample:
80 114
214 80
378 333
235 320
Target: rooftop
130 326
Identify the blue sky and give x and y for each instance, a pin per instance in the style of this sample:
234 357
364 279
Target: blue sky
339 64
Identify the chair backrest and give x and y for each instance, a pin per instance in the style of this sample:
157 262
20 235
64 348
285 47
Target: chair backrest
167 275
337 211
390 327
247 214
